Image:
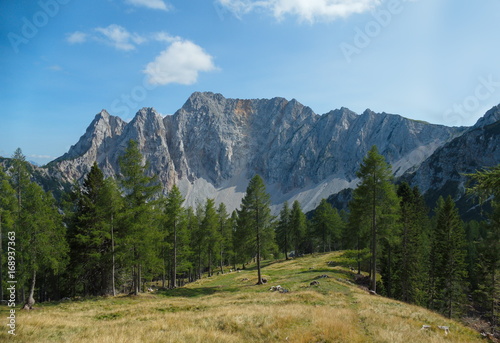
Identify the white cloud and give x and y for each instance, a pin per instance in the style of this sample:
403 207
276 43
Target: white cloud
76 37
179 63
305 10
163 36
119 37
153 4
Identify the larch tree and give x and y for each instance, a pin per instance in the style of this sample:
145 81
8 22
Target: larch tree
225 235
211 233
255 215
375 202
140 217
283 230
298 227
174 225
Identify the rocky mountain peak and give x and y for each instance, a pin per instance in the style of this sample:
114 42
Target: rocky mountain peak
490 117
213 145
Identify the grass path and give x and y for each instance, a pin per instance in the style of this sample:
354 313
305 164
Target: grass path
231 308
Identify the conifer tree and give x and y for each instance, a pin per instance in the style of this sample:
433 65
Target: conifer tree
375 204
255 217
449 250
211 233
411 253
175 229
225 235
298 227
486 185
140 218
328 225
283 230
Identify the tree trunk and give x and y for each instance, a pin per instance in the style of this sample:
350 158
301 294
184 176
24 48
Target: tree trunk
174 266
31 300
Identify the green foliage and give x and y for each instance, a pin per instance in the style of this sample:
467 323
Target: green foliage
374 209
327 226
448 287
140 220
255 221
283 230
411 252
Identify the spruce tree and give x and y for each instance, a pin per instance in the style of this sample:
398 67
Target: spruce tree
450 269
411 253
210 231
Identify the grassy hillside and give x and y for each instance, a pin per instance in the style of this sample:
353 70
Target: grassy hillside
231 308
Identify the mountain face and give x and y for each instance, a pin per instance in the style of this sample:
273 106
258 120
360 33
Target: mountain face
212 146
444 172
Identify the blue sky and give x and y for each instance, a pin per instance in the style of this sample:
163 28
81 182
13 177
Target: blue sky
62 61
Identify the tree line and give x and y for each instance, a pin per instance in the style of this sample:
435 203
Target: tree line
116 235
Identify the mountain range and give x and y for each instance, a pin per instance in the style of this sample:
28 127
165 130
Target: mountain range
213 145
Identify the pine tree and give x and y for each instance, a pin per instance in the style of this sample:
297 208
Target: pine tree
255 216
375 203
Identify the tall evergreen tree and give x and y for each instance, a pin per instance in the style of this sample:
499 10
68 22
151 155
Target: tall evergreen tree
486 185
174 222
298 227
42 234
328 225
375 203
255 215
210 230
411 253
449 250
283 230
225 235
140 217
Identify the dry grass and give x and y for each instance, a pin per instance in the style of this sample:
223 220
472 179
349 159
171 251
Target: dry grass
231 308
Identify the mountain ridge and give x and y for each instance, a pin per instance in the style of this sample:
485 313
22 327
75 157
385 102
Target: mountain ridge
213 145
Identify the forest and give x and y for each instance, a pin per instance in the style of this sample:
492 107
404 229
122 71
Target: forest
120 235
